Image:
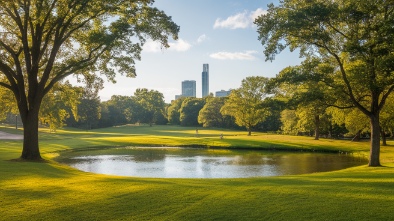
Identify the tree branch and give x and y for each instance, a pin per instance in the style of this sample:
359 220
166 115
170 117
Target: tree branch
385 96
6 85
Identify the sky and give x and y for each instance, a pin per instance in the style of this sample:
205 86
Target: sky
220 33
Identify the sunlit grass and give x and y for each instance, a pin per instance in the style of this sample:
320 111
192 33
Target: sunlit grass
50 191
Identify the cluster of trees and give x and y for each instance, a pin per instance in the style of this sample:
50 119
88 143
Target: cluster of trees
146 106
283 104
247 107
348 47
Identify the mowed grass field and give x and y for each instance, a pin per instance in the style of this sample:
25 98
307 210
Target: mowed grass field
51 191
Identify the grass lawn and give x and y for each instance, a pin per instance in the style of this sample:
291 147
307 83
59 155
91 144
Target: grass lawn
50 191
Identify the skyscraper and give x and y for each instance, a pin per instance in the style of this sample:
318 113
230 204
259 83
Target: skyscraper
222 93
189 88
205 80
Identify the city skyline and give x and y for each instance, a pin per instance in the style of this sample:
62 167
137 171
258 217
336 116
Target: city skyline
225 38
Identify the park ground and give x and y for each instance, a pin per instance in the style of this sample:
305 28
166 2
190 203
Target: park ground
51 191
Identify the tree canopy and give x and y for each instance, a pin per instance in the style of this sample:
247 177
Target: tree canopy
44 41
152 105
245 104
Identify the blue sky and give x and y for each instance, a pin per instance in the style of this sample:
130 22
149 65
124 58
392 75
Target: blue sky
218 32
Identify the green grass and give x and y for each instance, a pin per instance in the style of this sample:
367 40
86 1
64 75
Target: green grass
50 191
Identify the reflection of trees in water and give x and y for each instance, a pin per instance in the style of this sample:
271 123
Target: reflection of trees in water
252 159
313 162
148 155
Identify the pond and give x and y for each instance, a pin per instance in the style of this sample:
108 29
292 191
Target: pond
204 163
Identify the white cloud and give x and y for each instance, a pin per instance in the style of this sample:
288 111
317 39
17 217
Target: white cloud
240 20
155 46
257 13
180 45
202 38
247 55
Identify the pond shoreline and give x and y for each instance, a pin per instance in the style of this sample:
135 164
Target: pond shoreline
186 162
284 149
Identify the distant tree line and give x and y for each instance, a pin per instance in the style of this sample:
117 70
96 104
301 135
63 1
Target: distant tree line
277 105
274 105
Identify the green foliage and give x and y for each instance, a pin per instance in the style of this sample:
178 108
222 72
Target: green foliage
289 122
152 105
121 110
246 103
173 111
59 104
89 108
387 117
8 104
189 111
209 115
354 120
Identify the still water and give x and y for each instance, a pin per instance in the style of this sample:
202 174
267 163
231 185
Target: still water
204 163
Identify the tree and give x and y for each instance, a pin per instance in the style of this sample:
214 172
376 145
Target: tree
272 123
59 104
44 41
387 119
355 36
245 104
289 122
312 118
121 109
8 104
354 120
89 107
189 111
307 95
173 114
209 115
152 104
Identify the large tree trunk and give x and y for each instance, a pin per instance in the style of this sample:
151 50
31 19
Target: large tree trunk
317 124
374 152
30 136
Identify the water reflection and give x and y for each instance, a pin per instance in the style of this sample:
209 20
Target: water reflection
203 163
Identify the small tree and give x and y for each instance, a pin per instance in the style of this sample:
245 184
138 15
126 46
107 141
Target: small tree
245 104
152 104
209 115
189 111
89 108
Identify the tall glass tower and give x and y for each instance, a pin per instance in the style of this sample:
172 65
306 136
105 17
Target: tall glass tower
205 80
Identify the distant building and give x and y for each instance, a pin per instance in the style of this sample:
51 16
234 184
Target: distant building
205 80
188 88
222 93
178 96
